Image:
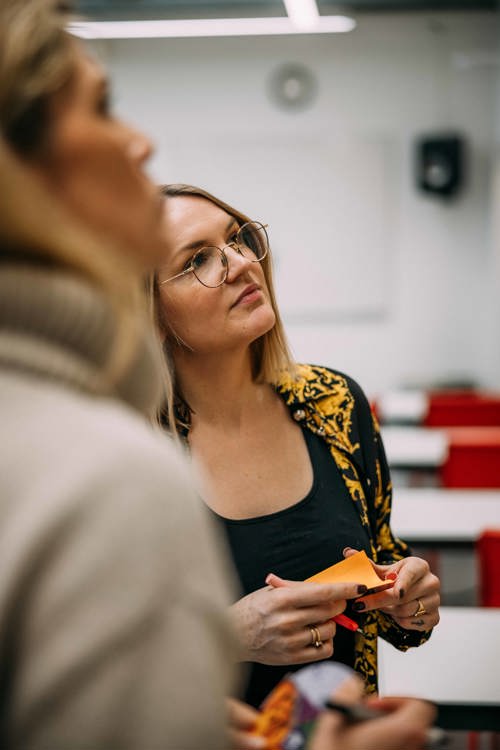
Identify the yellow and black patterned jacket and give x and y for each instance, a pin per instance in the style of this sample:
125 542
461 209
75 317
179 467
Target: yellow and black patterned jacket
333 406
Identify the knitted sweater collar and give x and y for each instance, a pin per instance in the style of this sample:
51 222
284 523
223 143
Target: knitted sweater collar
59 327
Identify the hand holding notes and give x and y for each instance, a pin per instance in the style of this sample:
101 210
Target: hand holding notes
356 567
290 622
276 624
413 600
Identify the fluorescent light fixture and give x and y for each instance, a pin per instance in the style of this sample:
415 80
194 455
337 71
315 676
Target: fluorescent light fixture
209 27
303 14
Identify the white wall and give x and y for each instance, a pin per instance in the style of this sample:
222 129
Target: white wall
411 282
492 343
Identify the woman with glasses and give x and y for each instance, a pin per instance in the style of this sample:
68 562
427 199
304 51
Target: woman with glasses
289 458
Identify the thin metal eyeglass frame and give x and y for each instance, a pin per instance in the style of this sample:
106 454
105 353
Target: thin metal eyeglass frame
224 259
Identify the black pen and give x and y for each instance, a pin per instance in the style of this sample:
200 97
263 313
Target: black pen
436 737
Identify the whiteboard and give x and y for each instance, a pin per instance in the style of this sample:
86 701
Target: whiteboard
331 246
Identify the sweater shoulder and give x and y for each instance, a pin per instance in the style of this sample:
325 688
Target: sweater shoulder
81 451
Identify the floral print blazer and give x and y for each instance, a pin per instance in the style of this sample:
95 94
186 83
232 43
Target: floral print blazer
333 406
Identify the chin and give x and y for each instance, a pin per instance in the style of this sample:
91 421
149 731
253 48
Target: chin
262 322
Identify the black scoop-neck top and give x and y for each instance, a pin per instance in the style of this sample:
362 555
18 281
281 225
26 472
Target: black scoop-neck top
295 543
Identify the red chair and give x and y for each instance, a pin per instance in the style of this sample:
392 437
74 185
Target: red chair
464 408
488 557
473 458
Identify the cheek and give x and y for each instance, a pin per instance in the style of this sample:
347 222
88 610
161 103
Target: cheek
98 181
189 314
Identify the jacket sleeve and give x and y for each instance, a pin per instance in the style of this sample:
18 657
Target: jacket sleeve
389 547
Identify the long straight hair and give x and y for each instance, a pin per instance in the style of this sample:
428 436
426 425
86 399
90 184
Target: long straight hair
37 58
270 353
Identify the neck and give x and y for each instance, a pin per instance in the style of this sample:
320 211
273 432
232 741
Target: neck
219 388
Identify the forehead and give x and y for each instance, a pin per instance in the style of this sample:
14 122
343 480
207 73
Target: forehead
88 77
89 71
179 208
191 218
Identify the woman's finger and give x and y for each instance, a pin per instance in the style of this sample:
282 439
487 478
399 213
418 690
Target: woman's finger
240 715
246 741
404 728
411 571
416 607
305 594
241 721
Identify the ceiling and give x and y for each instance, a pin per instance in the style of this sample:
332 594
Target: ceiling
175 9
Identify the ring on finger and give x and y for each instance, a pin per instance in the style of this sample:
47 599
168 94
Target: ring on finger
315 637
420 610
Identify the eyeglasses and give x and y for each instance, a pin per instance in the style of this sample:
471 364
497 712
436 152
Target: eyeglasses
210 264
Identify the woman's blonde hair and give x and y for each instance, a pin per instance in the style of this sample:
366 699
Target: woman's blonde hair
37 58
270 353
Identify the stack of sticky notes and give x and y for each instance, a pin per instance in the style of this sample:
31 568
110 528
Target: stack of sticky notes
354 569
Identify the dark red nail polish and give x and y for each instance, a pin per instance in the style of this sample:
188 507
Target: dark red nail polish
401 593
362 589
359 606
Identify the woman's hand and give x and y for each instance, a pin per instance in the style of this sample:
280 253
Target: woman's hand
241 720
413 602
277 624
403 728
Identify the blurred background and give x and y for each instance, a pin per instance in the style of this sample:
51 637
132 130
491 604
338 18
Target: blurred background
323 136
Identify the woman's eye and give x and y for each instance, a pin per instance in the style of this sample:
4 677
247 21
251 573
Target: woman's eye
200 258
104 105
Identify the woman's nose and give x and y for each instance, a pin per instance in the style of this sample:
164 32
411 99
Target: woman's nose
140 148
236 263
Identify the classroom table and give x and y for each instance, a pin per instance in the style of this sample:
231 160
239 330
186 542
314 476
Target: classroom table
443 408
458 669
415 447
402 407
437 517
455 457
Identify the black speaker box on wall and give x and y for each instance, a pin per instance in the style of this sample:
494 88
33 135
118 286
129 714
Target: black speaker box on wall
440 164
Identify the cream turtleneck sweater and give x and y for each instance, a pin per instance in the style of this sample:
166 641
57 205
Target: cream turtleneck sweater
113 631
56 326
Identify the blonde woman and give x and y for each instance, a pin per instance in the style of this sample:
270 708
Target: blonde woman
113 631
290 459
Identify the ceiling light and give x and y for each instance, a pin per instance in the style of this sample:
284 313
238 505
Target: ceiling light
302 13
208 27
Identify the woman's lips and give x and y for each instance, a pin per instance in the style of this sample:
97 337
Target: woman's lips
250 294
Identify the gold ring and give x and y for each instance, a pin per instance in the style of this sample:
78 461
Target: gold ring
421 610
315 637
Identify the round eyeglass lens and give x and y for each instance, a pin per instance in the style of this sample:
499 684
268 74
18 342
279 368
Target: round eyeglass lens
252 240
210 266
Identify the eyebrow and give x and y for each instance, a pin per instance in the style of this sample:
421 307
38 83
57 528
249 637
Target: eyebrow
197 244
102 79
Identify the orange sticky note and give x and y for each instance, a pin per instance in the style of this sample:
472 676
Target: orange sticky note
354 569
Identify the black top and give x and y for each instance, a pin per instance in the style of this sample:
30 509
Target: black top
296 543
